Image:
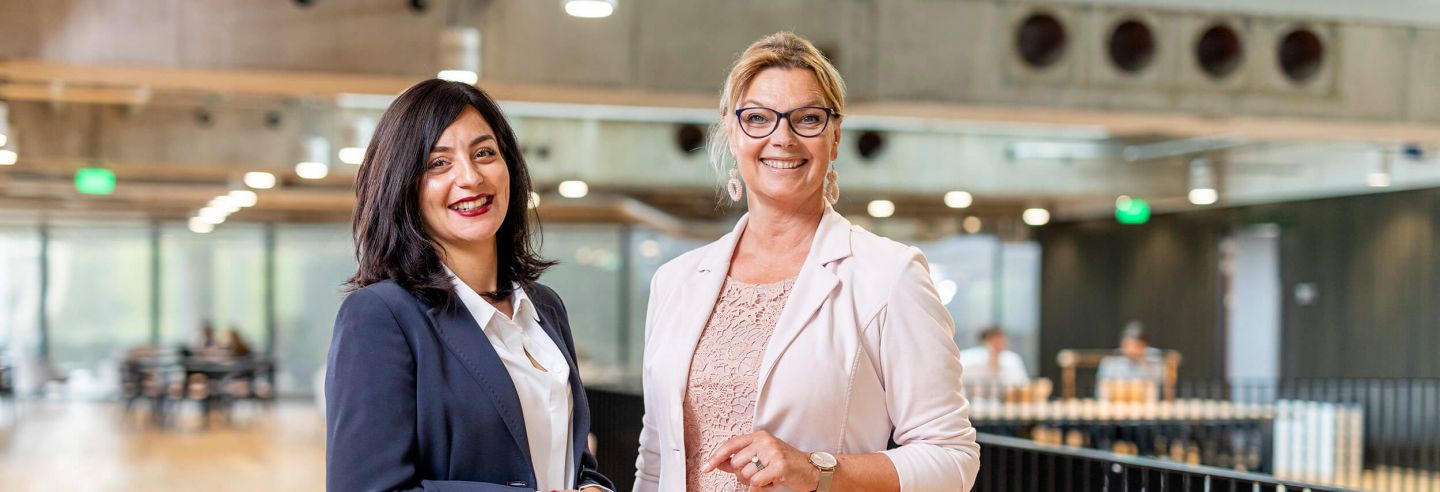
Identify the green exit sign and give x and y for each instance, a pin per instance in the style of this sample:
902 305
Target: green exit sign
1133 211
95 181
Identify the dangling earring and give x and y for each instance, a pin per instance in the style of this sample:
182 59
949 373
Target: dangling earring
832 185
737 190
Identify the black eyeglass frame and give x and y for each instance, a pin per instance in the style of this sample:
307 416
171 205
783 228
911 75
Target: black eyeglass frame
830 114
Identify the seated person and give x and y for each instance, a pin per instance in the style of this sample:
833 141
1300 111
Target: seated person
991 366
1136 373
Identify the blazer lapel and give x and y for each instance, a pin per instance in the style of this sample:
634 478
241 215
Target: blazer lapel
814 285
696 300
580 416
463 337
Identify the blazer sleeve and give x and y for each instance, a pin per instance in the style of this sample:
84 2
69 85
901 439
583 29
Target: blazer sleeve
647 464
921 370
370 405
589 467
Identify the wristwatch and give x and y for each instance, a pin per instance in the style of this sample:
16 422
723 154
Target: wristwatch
826 463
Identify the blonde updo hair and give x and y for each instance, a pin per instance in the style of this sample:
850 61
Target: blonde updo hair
783 49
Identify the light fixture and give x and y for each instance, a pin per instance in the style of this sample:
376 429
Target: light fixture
534 200
959 199
244 198
211 215
312 170
357 137
457 54
200 226
590 9
461 76
225 204
971 224
1380 177
1202 182
352 155
880 208
574 189
8 157
1036 216
259 180
1204 196
316 164
4 123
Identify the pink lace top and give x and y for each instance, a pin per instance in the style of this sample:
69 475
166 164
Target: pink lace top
720 396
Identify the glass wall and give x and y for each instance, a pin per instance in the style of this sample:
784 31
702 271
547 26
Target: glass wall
102 299
312 263
98 302
20 302
216 278
987 282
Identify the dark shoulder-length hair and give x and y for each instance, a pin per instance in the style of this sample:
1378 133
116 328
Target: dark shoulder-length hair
389 230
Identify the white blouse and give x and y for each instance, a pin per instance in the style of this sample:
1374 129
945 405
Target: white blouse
544 395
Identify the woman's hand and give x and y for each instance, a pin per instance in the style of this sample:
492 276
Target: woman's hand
778 464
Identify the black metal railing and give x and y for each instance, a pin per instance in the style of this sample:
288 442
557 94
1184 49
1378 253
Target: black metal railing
1013 464
1372 434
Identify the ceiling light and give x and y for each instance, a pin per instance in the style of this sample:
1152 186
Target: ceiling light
352 155
1036 216
244 198
1202 182
259 180
591 9
316 163
534 200
8 157
574 189
958 199
312 170
1380 177
4 123
212 215
225 204
357 137
1204 196
880 208
457 54
461 76
200 226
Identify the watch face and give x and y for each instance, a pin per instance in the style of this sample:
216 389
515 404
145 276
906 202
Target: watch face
822 459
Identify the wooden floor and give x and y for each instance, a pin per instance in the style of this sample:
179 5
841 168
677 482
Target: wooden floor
93 446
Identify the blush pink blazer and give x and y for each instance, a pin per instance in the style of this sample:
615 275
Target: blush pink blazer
862 353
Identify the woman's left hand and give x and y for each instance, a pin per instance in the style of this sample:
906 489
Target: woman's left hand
779 463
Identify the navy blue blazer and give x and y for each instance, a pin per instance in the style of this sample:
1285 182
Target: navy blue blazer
417 399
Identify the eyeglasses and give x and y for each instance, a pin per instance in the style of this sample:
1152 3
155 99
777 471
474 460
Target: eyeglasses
760 122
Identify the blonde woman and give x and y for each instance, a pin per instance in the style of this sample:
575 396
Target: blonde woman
789 352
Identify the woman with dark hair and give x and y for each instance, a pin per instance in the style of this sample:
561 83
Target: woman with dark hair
451 367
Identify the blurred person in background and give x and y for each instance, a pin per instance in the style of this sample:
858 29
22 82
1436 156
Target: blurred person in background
787 354
1138 368
451 366
992 364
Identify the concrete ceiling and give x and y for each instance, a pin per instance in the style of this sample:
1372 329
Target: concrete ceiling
180 97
